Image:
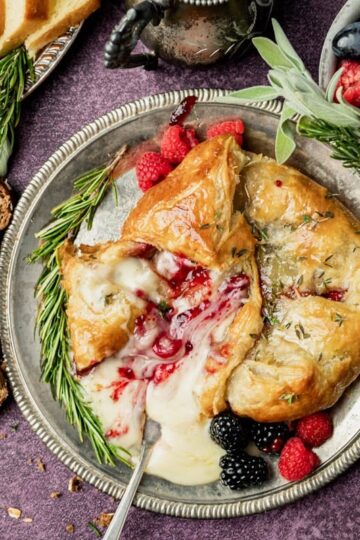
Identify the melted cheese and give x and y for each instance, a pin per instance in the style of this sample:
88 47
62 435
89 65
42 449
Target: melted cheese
128 275
185 453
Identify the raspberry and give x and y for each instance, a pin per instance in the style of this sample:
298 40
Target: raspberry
350 81
296 461
315 429
151 168
242 471
177 142
229 431
231 127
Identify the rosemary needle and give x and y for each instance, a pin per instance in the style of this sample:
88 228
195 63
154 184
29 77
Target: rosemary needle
15 67
56 368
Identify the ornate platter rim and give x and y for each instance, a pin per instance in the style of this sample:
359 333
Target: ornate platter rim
50 57
283 495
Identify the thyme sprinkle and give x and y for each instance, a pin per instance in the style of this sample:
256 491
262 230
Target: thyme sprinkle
289 397
339 319
94 529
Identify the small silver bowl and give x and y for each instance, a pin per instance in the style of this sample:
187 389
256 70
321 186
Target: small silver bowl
349 13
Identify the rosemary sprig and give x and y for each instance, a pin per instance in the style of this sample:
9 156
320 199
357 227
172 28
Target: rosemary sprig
56 368
317 115
344 141
15 67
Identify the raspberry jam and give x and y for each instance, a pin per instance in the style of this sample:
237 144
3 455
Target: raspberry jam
335 295
163 339
113 433
182 111
118 388
163 371
165 346
278 183
188 276
126 373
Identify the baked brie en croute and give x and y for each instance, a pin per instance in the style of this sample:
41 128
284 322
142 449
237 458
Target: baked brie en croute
169 319
309 261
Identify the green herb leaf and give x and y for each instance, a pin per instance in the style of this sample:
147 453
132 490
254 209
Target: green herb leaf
56 367
289 397
94 529
14 69
332 86
339 319
255 94
163 307
284 143
271 53
285 46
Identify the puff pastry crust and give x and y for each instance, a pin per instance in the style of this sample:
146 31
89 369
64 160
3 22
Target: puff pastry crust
308 257
190 214
300 249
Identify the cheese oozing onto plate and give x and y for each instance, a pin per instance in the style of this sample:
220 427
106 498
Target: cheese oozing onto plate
161 370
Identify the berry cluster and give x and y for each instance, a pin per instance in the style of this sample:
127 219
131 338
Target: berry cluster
241 470
175 144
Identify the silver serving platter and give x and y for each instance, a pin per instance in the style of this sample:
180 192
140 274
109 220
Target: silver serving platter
349 13
49 58
91 146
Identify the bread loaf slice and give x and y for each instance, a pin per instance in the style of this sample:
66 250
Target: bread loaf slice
63 14
2 17
6 206
21 18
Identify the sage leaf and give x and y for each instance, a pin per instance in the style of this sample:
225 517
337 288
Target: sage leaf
333 113
271 53
284 142
331 89
286 48
255 94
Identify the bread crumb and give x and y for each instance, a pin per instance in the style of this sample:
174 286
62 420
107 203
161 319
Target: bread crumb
74 484
28 520
70 528
55 494
2 436
14 512
104 519
40 465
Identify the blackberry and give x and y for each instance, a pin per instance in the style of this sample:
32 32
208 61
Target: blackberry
269 437
243 471
229 431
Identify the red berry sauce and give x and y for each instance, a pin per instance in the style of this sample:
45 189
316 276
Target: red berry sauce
182 111
335 295
166 347
278 183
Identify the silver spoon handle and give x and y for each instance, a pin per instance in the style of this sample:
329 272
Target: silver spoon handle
117 523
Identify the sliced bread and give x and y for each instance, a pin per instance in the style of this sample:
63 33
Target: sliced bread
2 17
21 18
63 14
6 206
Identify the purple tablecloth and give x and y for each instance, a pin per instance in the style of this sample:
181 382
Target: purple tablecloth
79 91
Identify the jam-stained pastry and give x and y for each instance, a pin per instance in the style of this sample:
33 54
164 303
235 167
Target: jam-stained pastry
102 283
309 261
183 246
192 213
171 309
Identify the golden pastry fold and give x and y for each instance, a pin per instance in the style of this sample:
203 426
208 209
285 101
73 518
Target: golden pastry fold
309 262
189 215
